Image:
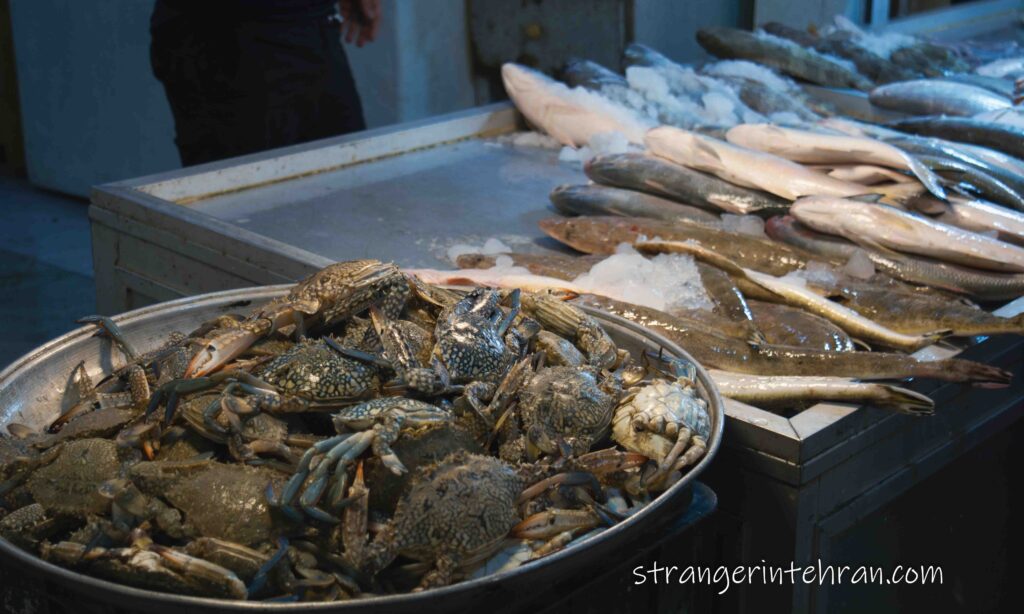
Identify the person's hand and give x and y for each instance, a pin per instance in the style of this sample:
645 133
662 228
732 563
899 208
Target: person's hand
360 20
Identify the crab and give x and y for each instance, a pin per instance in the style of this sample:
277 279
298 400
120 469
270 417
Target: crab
69 478
455 515
569 321
552 410
378 424
330 295
26 526
666 421
214 499
138 375
150 566
475 345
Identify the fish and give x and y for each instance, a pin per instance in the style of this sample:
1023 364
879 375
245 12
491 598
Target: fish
591 75
785 325
842 44
981 162
873 223
572 117
730 302
557 266
918 313
993 135
719 352
663 178
816 147
1002 67
971 282
601 235
766 100
928 58
982 216
799 295
496 278
755 169
595 199
779 53
864 174
1003 87
973 180
788 391
936 97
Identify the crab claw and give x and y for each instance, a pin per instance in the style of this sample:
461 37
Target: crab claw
220 351
549 523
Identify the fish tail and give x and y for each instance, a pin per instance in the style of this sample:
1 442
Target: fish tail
928 178
905 401
959 370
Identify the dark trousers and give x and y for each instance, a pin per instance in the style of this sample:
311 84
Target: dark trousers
237 86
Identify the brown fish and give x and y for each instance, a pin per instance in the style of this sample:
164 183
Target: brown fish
601 235
720 352
785 325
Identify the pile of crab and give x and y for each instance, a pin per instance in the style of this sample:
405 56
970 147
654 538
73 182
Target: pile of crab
364 434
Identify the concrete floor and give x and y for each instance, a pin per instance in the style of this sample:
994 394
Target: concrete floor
46 279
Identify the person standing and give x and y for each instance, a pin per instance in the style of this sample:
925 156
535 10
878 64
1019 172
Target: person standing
243 76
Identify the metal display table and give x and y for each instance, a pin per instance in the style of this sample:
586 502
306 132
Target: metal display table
790 488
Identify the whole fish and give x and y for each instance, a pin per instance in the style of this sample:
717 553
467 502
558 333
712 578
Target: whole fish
716 351
815 147
601 235
787 391
917 313
557 266
935 97
572 117
799 295
994 135
663 178
782 54
785 325
867 223
595 199
755 169
981 216
971 282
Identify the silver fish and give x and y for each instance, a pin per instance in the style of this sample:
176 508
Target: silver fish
674 181
868 223
936 97
594 199
816 147
994 135
790 390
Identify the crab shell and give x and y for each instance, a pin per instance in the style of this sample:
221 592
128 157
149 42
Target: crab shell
670 401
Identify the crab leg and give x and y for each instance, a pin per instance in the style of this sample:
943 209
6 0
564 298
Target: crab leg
550 523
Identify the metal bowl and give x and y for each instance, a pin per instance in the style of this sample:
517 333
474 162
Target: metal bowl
32 391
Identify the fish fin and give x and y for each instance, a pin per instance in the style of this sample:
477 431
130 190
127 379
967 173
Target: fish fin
861 343
757 339
928 178
708 150
908 401
937 335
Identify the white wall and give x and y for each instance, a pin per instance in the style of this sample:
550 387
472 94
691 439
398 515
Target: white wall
93 112
671 26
